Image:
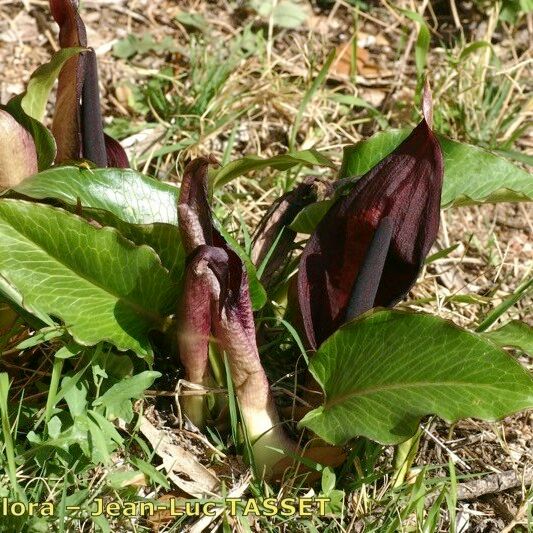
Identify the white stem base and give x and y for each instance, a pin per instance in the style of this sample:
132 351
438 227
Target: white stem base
269 442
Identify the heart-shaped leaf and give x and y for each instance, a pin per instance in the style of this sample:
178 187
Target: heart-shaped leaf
384 371
102 286
127 194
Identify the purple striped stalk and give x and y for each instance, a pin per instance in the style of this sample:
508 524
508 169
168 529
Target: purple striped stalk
216 304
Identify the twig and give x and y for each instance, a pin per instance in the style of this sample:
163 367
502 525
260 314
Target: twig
490 484
493 483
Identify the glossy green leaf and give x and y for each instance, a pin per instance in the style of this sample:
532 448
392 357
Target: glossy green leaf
359 158
102 286
308 218
514 334
308 158
141 208
384 371
42 80
165 240
471 175
127 194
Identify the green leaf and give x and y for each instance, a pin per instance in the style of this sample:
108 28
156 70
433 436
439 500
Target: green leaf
107 427
127 194
142 209
384 371
471 175
308 158
115 365
164 239
45 143
151 472
75 394
308 218
359 158
102 286
98 444
520 292
42 80
118 397
515 334
474 47
41 336
122 478
68 351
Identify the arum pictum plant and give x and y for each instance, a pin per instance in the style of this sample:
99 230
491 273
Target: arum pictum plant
77 124
368 249
106 270
18 156
216 304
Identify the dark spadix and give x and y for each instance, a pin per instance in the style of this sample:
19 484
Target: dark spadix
216 305
369 248
77 123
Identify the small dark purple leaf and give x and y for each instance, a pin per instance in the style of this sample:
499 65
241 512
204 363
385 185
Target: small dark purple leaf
116 155
342 265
